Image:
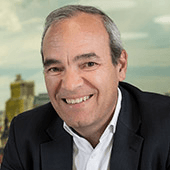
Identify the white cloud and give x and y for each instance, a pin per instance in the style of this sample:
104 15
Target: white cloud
21 52
31 42
33 21
21 60
8 18
110 4
165 20
134 35
19 1
4 51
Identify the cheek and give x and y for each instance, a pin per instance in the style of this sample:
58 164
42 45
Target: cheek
105 77
52 84
108 81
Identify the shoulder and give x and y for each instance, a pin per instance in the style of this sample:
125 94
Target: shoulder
152 108
35 120
142 97
37 113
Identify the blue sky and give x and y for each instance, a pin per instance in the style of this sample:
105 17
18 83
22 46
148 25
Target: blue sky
144 27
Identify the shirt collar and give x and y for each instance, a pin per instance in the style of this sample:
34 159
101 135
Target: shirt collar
112 124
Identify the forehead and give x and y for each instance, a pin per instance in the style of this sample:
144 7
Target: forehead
78 32
80 23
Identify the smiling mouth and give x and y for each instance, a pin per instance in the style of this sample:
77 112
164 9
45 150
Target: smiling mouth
77 100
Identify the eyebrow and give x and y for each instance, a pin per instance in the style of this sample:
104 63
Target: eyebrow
49 62
85 56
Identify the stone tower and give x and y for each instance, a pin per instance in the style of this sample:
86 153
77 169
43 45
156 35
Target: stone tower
22 97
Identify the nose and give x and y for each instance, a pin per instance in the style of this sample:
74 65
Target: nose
71 80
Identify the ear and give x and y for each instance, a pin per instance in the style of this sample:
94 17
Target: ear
122 65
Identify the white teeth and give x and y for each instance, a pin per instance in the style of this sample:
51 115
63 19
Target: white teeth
78 100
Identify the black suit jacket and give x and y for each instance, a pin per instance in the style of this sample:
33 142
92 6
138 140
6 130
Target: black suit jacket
37 140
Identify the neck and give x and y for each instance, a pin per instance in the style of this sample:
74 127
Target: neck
92 134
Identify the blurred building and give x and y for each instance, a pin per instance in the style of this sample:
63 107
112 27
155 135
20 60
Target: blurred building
2 125
22 97
5 133
41 99
2 130
2 118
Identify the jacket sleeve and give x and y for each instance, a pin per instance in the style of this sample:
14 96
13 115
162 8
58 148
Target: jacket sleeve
11 159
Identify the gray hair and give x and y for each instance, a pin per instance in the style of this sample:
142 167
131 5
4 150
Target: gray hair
72 10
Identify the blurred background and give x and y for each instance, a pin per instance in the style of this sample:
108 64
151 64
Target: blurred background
145 32
144 27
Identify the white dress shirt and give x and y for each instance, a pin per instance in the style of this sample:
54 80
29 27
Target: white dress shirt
85 157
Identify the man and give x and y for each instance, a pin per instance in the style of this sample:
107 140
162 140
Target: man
94 121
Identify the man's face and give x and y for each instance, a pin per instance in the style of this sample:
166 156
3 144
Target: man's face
80 77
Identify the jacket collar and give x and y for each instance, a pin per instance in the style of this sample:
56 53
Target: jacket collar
127 143
57 153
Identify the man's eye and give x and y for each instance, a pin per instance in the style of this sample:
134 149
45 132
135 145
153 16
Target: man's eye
89 65
54 70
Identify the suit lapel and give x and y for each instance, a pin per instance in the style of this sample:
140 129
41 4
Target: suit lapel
127 144
57 153
126 150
